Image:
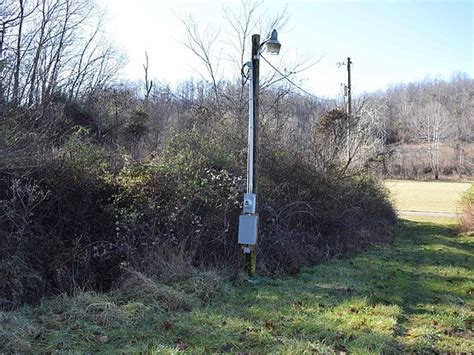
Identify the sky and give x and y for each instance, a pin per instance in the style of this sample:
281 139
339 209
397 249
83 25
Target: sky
389 42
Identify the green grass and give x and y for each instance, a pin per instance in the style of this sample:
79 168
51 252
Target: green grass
427 196
415 295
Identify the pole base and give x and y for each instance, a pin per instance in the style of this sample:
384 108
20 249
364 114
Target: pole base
254 280
252 261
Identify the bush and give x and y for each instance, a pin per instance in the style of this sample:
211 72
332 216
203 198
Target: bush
76 223
185 200
467 203
307 216
54 226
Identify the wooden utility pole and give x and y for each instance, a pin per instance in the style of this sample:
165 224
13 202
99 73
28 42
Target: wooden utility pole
349 101
2 98
349 109
252 256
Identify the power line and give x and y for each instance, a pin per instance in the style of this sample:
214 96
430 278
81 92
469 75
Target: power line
285 76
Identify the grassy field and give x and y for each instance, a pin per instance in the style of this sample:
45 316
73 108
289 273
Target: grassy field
413 295
427 196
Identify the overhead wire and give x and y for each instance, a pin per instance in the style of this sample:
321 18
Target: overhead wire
285 76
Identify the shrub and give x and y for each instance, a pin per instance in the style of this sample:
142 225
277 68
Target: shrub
55 223
307 216
185 200
467 204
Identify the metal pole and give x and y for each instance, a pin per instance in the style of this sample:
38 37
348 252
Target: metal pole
250 140
256 100
252 182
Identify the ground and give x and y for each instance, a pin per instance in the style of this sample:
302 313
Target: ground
413 295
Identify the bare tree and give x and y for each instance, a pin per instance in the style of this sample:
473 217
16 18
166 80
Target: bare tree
225 47
431 126
52 50
148 83
13 14
367 130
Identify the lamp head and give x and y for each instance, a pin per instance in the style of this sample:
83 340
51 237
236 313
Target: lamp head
272 44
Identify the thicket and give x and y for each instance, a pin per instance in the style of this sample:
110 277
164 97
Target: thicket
82 218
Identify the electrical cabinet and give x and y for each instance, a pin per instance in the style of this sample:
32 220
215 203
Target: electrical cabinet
248 229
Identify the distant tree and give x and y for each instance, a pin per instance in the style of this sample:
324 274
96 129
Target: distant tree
51 48
431 126
461 117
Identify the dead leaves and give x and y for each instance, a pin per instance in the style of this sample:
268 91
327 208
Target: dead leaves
269 325
180 344
168 325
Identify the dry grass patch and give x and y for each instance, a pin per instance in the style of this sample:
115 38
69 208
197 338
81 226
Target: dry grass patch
427 196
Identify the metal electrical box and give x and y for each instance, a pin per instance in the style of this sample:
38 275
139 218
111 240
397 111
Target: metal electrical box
250 202
248 228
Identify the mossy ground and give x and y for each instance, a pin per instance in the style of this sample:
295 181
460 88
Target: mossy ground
413 295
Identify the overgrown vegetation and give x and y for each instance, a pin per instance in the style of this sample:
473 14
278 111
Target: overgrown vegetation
79 221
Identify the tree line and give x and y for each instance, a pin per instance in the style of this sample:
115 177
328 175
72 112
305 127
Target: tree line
434 116
58 71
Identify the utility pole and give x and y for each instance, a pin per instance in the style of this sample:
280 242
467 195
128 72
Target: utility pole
347 92
2 98
248 220
349 102
252 186
349 109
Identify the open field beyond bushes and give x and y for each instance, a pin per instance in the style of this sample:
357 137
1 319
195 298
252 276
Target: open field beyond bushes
413 295
427 196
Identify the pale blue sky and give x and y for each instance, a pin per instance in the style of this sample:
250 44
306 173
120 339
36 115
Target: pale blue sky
388 41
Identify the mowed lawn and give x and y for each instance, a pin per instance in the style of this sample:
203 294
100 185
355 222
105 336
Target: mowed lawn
414 295
427 196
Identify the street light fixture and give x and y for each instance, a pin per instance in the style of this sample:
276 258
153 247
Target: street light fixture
272 45
248 221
